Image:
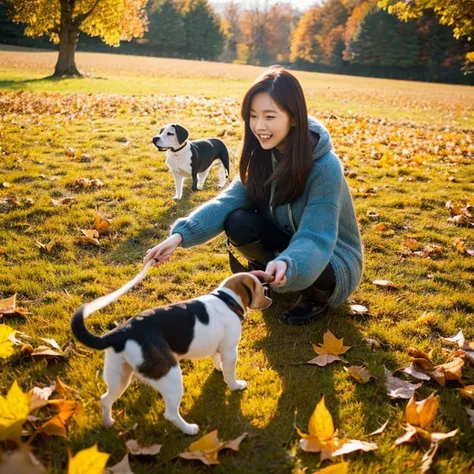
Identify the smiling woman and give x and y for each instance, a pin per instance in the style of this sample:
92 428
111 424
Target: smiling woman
291 213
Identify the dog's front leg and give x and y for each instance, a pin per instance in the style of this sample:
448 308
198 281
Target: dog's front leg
229 363
178 182
217 361
195 182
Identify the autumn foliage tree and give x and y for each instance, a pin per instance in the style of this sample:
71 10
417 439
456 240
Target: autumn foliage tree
64 20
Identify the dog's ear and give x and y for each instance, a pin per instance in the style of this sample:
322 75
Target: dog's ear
181 133
161 131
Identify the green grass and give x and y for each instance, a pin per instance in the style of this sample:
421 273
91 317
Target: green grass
113 119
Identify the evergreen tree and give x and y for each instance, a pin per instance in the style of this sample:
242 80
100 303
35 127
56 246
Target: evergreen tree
204 39
166 32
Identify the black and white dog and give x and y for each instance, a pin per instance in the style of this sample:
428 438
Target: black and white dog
149 346
194 159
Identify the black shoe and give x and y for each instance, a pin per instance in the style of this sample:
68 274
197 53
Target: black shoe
305 311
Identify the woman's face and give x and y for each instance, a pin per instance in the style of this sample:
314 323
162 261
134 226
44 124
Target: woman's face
268 122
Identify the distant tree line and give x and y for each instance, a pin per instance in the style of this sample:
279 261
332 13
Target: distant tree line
341 36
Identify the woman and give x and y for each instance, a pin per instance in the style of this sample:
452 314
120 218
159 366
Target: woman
291 213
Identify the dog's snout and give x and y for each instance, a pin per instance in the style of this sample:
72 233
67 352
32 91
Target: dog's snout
155 140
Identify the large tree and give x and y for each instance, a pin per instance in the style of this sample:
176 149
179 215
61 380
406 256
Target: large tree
63 20
457 14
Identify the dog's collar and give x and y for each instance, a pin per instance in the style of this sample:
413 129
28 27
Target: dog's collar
180 148
230 302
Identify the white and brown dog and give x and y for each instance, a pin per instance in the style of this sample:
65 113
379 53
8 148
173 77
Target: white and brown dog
194 159
149 346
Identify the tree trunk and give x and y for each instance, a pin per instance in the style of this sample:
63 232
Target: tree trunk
68 38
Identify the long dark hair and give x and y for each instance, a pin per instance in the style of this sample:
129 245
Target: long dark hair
296 161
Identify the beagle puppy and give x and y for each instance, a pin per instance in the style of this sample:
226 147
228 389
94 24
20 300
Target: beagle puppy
193 159
149 346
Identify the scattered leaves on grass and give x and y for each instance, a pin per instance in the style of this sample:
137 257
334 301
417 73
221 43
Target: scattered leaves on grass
6 345
70 151
358 309
90 461
14 410
101 225
397 388
39 396
207 448
329 351
352 445
90 236
463 217
426 318
138 450
8 307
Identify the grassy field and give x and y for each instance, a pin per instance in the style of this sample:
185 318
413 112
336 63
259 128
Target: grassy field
407 149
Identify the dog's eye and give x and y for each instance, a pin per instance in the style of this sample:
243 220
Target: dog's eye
170 134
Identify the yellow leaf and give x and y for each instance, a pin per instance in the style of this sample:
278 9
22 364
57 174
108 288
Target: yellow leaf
101 225
331 345
56 426
426 318
320 424
14 409
6 346
208 442
341 468
467 391
422 413
88 461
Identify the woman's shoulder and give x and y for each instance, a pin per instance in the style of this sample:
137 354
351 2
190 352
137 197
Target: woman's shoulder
329 163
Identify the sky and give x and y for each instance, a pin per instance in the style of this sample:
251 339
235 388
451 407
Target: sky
302 5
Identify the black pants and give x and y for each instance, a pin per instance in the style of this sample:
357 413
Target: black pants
247 226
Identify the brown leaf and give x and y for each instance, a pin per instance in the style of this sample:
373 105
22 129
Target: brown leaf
452 370
325 359
101 225
90 236
138 450
8 307
379 430
422 413
56 426
359 373
64 201
47 247
467 392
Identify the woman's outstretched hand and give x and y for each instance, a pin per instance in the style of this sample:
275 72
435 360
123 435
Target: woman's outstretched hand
162 252
273 274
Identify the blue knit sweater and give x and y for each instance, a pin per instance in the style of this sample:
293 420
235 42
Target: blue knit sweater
321 220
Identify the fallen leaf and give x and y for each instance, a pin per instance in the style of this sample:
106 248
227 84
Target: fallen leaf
88 461
20 461
14 410
467 392
6 344
51 342
359 373
341 468
397 388
101 225
386 284
329 351
40 396
70 151
45 351
90 236
206 449
413 244
65 201
8 306
352 445
358 309
56 426
373 343
426 318
47 247
380 430
422 413
411 370
123 467
138 450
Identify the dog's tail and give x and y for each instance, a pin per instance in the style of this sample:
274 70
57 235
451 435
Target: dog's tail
78 325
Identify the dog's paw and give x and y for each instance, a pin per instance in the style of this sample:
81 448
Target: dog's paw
190 429
239 385
108 422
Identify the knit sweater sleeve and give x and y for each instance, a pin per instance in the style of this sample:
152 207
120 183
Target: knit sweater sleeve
312 246
207 221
